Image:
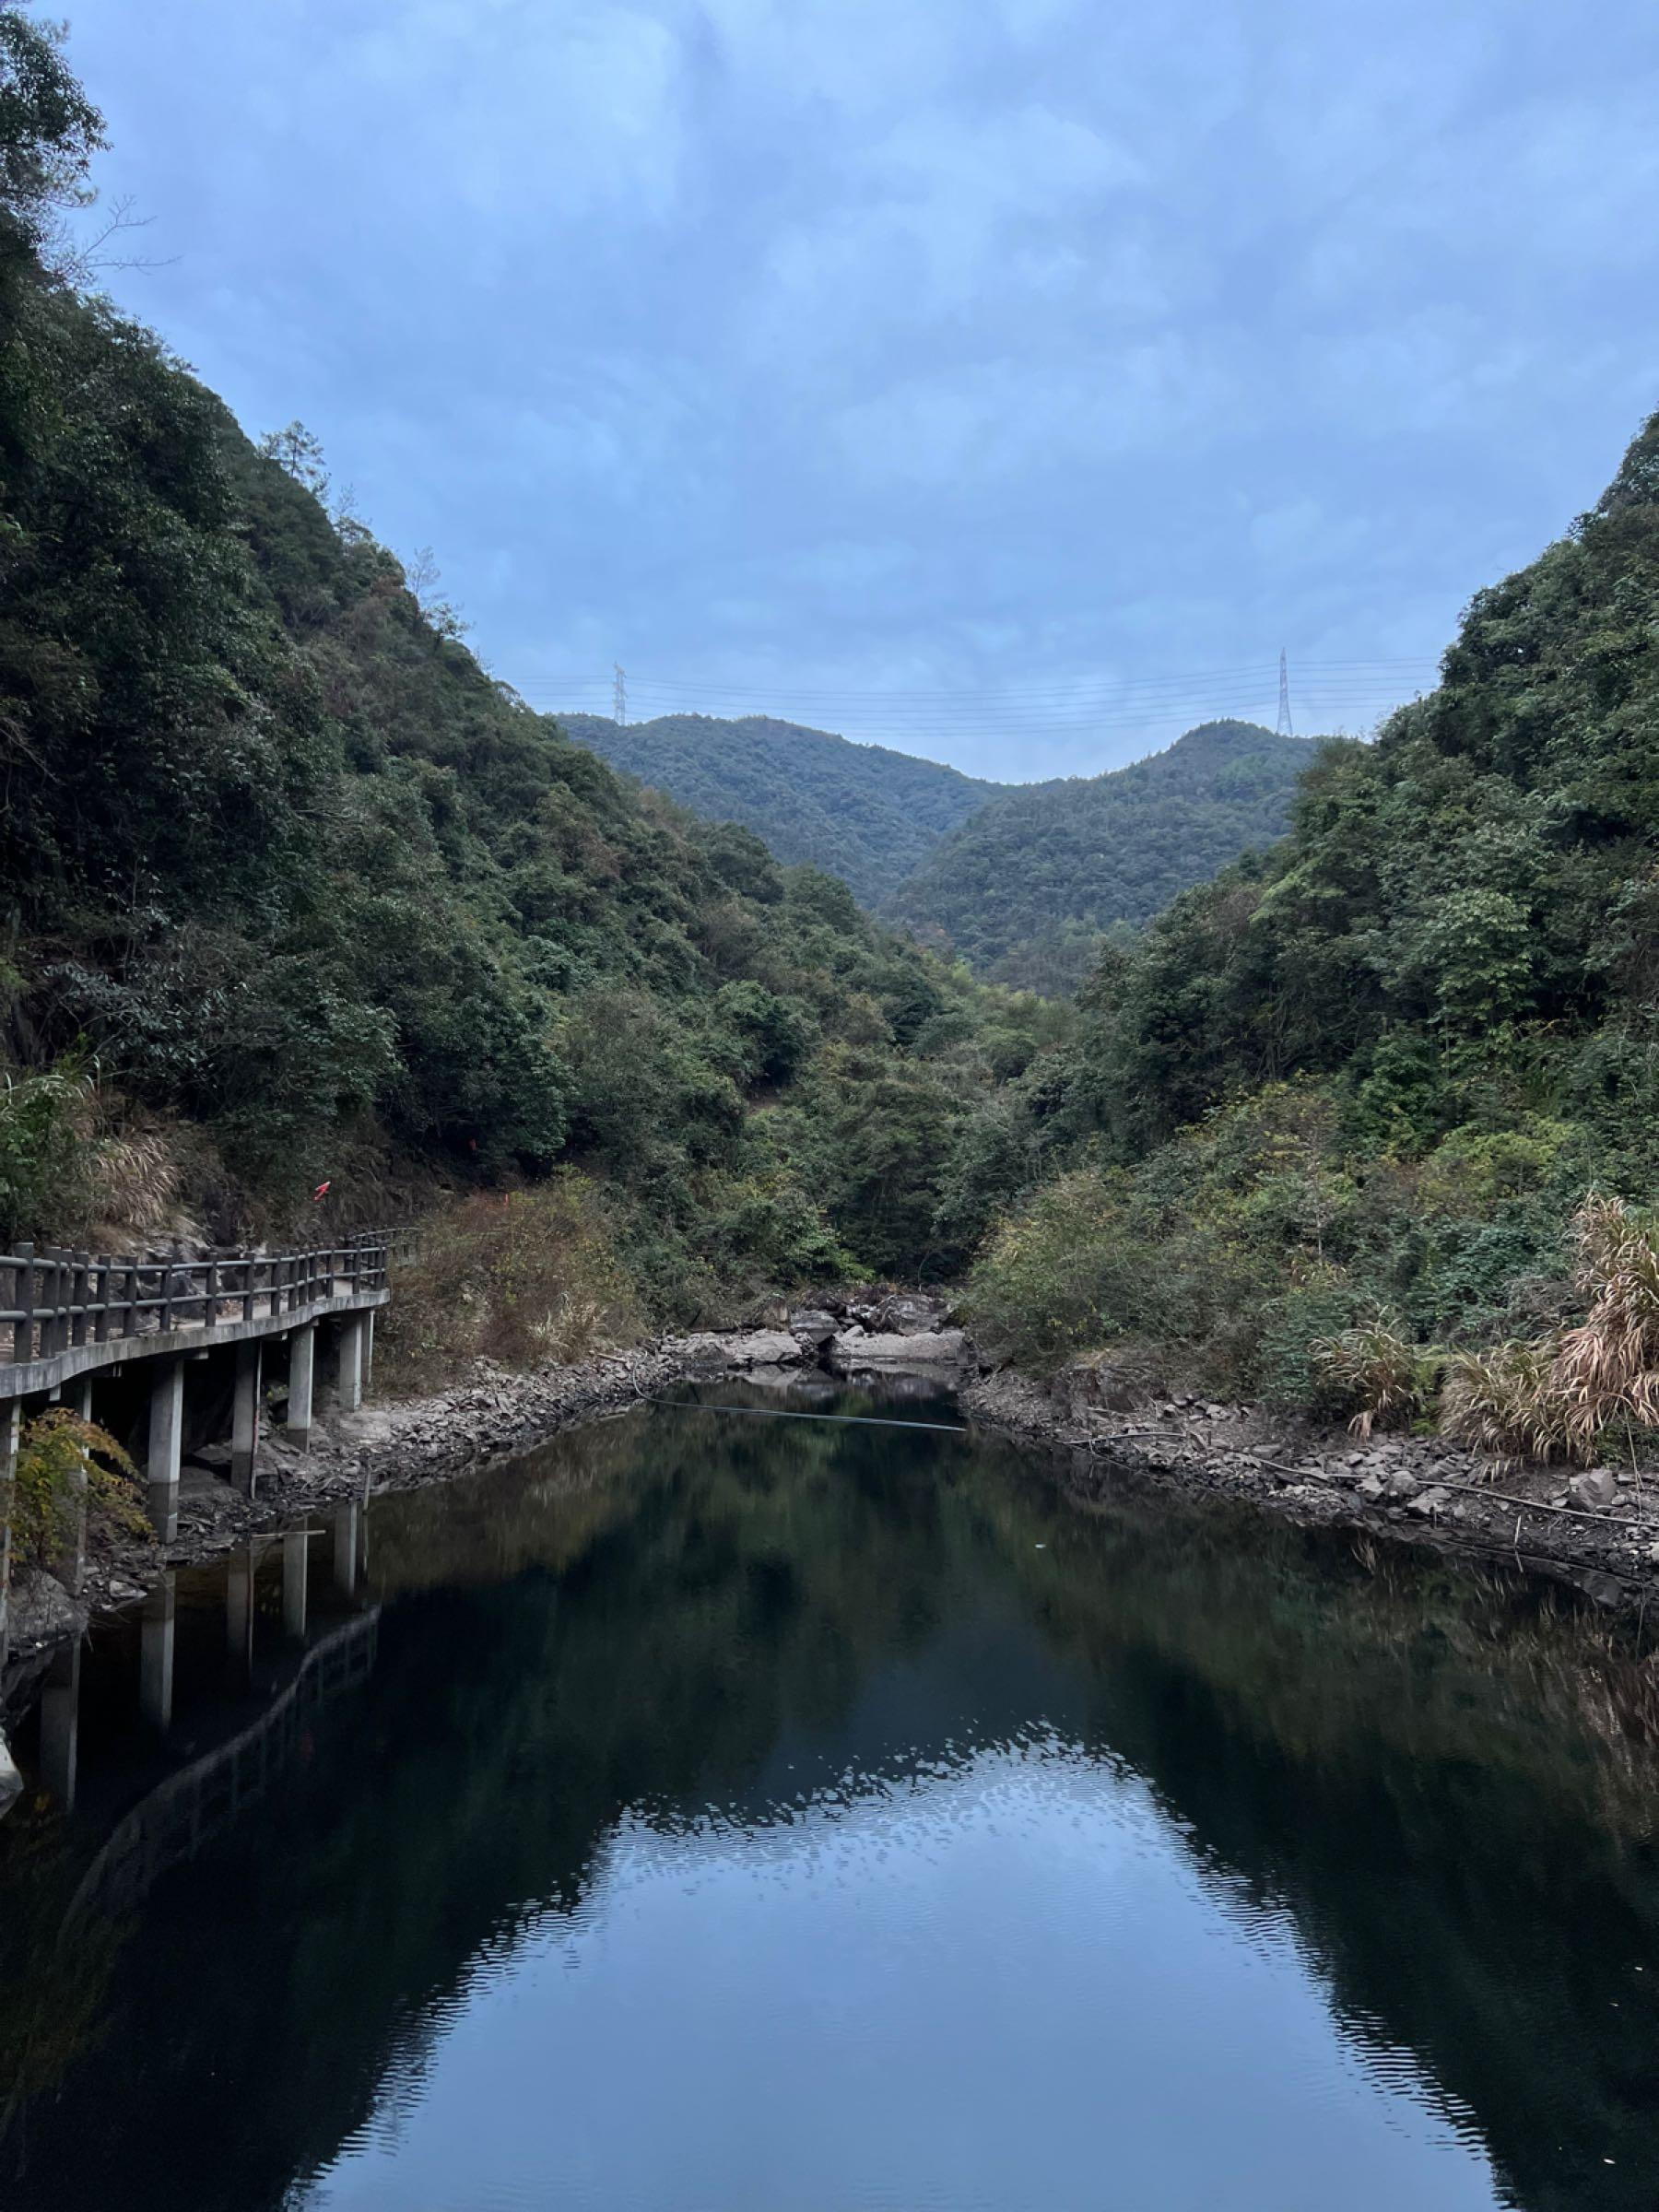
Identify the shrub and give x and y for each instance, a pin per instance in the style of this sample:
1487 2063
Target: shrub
1386 1379
58 1455
1504 1402
523 1277
1608 1365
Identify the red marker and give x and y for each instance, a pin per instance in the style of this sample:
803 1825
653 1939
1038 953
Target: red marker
322 1191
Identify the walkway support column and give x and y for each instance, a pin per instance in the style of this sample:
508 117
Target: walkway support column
245 1418
166 1437
11 1428
348 1391
303 1376
369 1352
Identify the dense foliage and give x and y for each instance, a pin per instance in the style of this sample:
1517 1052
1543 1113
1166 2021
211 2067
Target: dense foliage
291 891
1376 1072
866 814
1026 888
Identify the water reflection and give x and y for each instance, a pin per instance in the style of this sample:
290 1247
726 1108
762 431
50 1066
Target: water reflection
743 1812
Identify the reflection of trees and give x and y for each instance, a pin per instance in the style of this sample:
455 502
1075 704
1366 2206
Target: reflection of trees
669 1613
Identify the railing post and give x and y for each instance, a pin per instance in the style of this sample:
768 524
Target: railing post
52 1279
247 1288
101 1320
24 1299
166 1296
210 1291
78 1298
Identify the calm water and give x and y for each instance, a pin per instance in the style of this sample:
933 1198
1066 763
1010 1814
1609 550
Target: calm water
724 1812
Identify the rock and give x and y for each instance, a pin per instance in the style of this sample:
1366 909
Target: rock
763 1348
859 1347
1429 1502
1593 1493
11 1781
812 1325
1400 1486
909 1314
42 1610
1372 1488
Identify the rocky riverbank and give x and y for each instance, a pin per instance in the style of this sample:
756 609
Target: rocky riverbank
1602 1527
494 1414
1599 1528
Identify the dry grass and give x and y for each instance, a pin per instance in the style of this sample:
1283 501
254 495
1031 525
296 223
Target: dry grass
1556 1397
1502 1402
1607 1367
527 1277
1390 1379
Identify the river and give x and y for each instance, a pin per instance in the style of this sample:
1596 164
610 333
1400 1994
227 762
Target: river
717 1811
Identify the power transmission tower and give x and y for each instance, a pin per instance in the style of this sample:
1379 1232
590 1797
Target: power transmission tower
1285 726
618 693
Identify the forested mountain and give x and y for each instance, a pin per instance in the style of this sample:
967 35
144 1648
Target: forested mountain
290 891
1369 1077
867 814
1023 888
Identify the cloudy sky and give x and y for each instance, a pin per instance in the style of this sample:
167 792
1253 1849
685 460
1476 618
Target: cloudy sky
1005 380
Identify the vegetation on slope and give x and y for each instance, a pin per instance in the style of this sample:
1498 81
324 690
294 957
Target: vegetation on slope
863 813
290 891
1026 888
1376 1072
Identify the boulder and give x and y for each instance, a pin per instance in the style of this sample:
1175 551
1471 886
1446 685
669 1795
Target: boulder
909 1314
812 1325
1430 1502
11 1781
863 1347
1592 1493
763 1348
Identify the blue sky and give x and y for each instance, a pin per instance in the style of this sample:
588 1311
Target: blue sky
1004 382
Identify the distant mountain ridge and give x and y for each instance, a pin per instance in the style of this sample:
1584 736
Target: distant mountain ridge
1023 888
867 814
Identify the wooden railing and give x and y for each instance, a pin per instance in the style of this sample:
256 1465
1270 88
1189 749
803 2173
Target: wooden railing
57 1300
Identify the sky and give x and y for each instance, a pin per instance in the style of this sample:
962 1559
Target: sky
1006 381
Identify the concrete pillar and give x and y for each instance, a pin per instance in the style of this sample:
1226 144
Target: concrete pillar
245 1418
239 1614
70 1565
346 1550
166 1436
349 1390
155 1655
303 1370
369 1352
296 1555
60 1723
78 1397
11 1428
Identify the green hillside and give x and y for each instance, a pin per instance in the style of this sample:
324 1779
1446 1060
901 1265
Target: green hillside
1368 1079
292 892
867 814
1026 887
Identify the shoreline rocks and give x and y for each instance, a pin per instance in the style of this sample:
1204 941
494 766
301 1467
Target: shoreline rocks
1418 1489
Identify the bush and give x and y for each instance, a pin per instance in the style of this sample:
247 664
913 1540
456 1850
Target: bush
60 1457
1387 1380
525 1277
